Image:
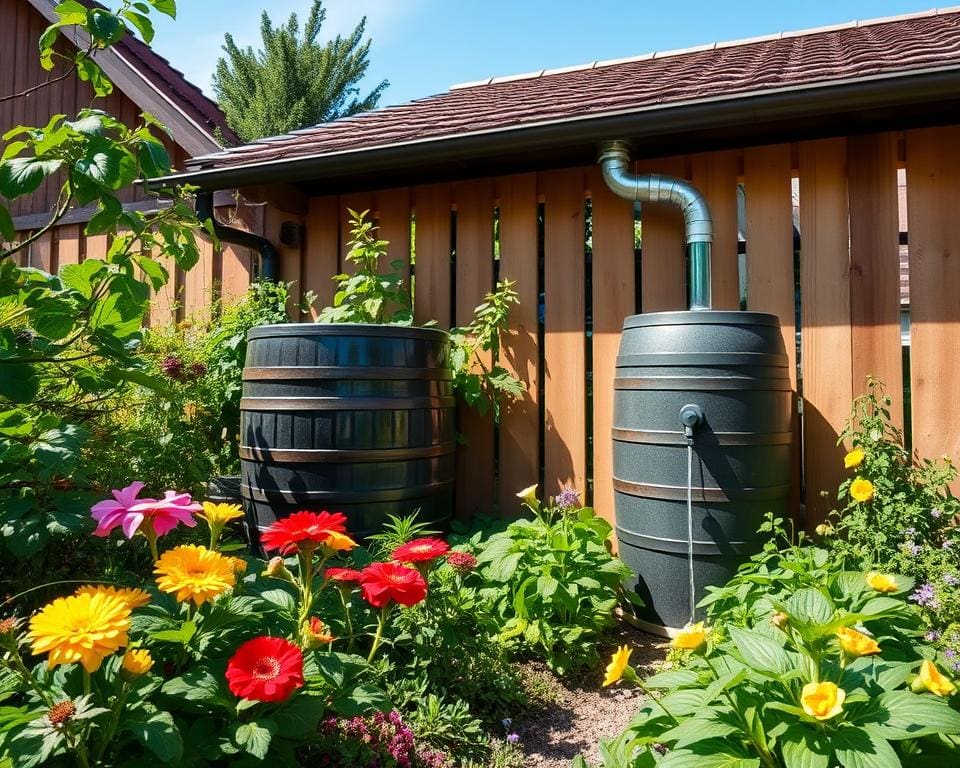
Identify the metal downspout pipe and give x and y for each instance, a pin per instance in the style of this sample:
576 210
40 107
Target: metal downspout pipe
269 257
614 160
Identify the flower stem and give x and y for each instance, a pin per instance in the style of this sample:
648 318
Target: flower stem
378 638
87 687
114 721
150 535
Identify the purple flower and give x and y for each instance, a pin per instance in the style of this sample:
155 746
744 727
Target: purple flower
513 738
946 545
925 596
913 548
932 636
950 653
172 366
935 513
951 579
909 532
568 498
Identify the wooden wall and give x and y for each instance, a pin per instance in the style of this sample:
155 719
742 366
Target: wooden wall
843 303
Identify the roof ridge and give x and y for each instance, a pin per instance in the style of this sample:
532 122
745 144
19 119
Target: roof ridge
854 24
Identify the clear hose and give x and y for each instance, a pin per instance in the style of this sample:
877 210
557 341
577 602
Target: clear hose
693 600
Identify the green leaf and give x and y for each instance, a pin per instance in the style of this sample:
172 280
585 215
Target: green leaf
22 175
142 24
906 715
7 231
158 733
801 747
300 717
255 737
810 605
859 748
54 318
18 382
105 27
761 653
197 685
183 635
361 699
698 729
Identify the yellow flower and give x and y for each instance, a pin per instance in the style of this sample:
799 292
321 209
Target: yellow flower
338 542
861 489
135 598
137 662
690 637
881 582
854 459
619 662
239 565
856 643
822 700
779 619
220 514
933 680
529 495
80 628
194 573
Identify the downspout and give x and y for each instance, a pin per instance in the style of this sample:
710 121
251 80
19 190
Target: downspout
268 254
652 188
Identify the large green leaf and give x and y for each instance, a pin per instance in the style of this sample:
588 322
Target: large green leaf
810 605
255 737
906 715
18 382
22 175
760 652
802 747
860 748
158 733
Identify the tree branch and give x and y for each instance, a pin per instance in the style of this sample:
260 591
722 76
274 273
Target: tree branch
44 84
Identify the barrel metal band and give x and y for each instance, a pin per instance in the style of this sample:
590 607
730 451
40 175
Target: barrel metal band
679 546
702 383
673 437
344 404
679 492
699 359
342 497
281 373
364 456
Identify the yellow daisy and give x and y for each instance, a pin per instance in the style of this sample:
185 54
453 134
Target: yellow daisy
619 662
194 573
80 628
136 598
137 662
220 514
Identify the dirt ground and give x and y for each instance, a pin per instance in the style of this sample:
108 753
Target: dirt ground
582 713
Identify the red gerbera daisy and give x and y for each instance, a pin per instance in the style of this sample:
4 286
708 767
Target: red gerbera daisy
309 528
420 551
265 669
343 575
384 583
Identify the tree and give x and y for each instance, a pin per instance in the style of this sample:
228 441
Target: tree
294 81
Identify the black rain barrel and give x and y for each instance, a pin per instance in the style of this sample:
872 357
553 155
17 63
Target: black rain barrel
348 418
734 366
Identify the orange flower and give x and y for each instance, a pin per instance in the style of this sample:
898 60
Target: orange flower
856 643
316 633
822 700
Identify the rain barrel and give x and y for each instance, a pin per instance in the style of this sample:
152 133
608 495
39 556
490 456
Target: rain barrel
732 365
348 418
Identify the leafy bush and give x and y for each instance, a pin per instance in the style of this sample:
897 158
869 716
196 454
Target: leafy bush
834 676
553 582
898 515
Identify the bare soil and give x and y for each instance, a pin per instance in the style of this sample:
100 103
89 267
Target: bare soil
577 714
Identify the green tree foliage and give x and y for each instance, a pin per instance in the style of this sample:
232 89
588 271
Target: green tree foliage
295 80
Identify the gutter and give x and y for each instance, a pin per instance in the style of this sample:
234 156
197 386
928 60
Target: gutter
785 106
268 254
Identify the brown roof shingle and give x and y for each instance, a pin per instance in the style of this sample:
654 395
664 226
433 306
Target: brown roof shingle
724 70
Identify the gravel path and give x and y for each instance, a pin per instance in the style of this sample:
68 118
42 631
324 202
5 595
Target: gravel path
584 712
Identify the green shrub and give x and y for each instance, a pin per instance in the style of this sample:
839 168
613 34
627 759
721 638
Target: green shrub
552 580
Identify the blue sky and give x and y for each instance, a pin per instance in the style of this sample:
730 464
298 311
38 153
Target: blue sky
424 46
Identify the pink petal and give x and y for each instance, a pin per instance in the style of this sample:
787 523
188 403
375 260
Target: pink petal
131 522
128 495
102 508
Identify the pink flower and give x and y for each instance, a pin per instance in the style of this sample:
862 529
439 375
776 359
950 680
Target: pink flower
128 512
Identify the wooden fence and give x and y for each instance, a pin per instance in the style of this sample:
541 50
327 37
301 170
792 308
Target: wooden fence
839 294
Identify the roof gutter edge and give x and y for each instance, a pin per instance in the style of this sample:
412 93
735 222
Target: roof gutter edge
805 101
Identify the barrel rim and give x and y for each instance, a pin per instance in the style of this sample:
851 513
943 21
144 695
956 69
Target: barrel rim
700 317
375 330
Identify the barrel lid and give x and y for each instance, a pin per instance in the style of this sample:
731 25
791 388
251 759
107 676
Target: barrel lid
701 317
347 329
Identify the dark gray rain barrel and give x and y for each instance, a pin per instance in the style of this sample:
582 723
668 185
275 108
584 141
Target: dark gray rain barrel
357 419
734 366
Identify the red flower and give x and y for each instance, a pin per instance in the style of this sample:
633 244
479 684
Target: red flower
461 562
420 551
265 669
310 528
343 575
384 583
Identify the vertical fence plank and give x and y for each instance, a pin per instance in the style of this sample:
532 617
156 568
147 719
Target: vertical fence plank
392 209
827 358
933 199
41 252
715 175
875 264
564 352
96 247
613 299
163 305
68 245
663 283
198 286
432 268
321 258
290 269
770 279
474 278
235 265
520 420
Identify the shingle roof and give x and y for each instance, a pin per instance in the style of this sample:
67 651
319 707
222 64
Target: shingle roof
859 50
